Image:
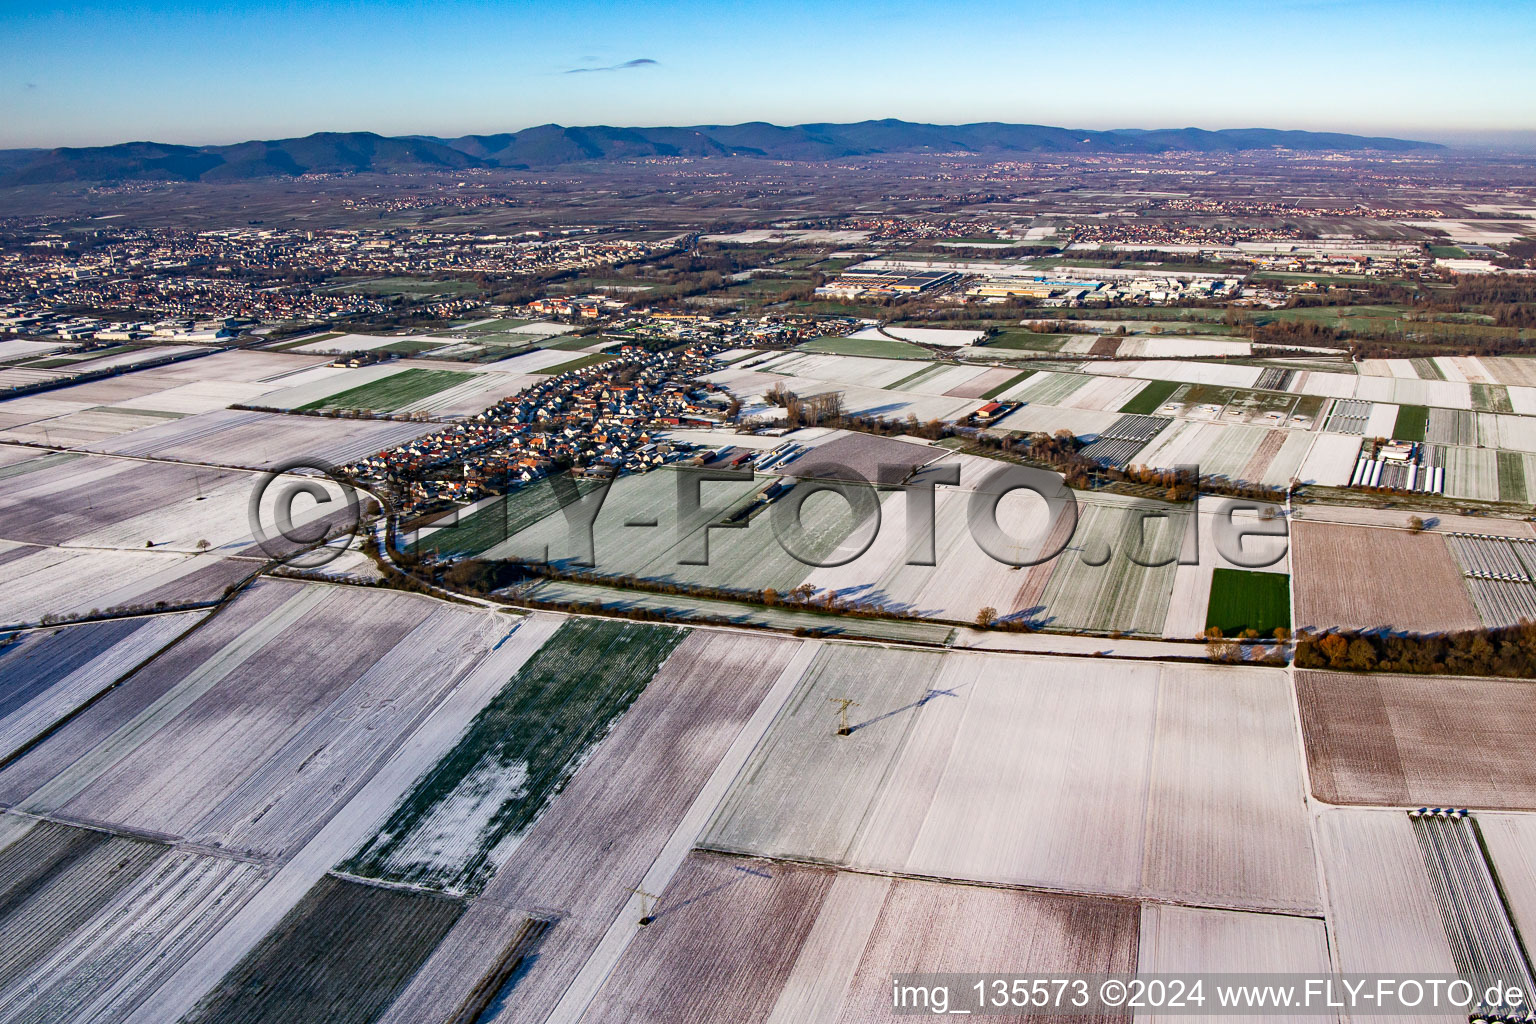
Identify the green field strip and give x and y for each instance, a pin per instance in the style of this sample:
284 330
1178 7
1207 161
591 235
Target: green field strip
40 462
154 414
1427 368
992 393
1491 398
1242 600
1512 477
286 346
879 348
579 363
913 378
1028 341
576 344
412 346
1151 398
498 520
1412 421
563 700
392 392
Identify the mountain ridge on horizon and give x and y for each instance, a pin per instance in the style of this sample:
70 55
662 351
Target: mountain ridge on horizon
552 145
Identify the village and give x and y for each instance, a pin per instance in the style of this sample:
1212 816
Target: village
599 421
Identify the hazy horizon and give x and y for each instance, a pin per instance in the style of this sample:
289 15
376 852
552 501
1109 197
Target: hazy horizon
170 71
1509 141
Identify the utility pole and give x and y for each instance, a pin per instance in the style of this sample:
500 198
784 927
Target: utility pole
843 704
647 904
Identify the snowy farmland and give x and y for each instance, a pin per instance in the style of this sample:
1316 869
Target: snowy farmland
51 673
98 502
1355 577
94 922
852 370
936 336
516 756
1412 740
1381 906
156 752
286 797
889 388
230 735
622 601
800 943
1195 939
141 532
1091 583
1031 419
1510 840
1097 585
258 440
1183 843
96 411
1250 454
627 818
890 403
1219 374
70 582
1181 347
536 361
964 766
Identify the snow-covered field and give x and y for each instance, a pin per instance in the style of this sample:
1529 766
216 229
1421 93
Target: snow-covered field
936 336
974 767
349 343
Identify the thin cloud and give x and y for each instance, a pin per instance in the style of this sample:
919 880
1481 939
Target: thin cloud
638 62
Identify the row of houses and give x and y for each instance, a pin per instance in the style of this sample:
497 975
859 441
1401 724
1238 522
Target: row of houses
602 420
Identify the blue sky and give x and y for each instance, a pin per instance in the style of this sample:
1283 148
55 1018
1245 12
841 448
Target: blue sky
93 73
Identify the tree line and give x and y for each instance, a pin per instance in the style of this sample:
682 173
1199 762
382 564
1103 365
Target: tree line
1504 651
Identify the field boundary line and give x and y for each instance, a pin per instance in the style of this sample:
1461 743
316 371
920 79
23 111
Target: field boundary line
1310 801
174 843
215 608
610 948
140 613
1149 772
1030 887
384 883
40 716
525 604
